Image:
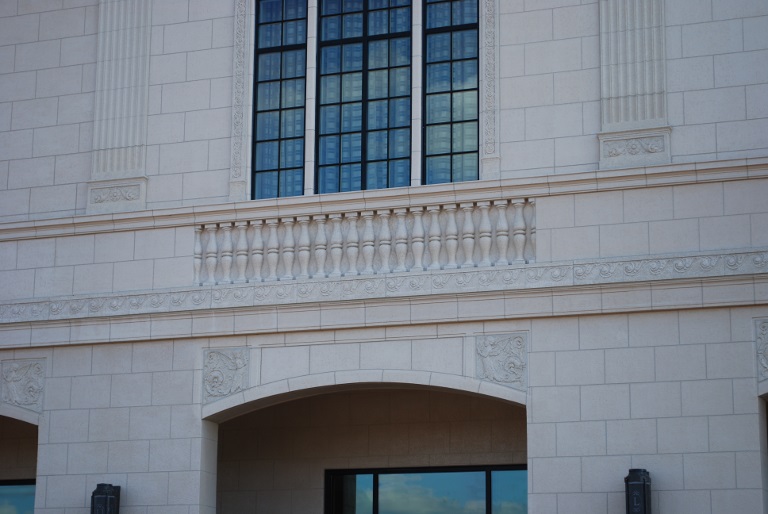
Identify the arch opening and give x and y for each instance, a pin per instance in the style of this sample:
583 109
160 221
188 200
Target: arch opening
18 464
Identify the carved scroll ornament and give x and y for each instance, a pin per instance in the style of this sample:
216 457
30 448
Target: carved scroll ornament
22 383
503 359
225 373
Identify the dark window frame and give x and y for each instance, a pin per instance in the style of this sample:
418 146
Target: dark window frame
332 474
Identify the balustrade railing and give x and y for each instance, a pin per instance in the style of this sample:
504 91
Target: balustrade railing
366 242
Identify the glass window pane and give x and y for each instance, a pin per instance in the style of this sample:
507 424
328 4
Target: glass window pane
378 22
377 84
329 150
434 492
353 25
330 7
400 82
268 96
378 4
352 57
351 87
353 5
294 32
400 21
465 167
330 60
376 175
293 64
352 117
438 169
438 77
438 108
464 44
465 137
438 139
400 173
330 89
377 145
329 120
438 15
351 177
465 106
331 28
292 123
291 153
400 143
464 11
269 10
509 491
465 75
292 182
377 115
269 67
293 93
265 184
295 9
267 125
269 35
378 54
266 156
438 47
400 52
351 147
329 179
400 112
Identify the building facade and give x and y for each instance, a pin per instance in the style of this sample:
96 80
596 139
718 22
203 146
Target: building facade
274 256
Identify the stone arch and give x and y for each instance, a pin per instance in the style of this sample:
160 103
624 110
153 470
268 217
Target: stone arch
264 395
19 414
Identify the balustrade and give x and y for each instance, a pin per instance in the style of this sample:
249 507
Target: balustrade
366 242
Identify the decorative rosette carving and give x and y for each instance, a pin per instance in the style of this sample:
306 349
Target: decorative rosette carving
22 383
225 373
503 359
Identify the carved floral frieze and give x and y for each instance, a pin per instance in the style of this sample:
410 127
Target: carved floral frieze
393 285
503 359
116 194
23 382
225 373
762 348
633 146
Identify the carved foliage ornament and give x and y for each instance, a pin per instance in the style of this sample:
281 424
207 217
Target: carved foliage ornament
225 373
116 194
637 146
502 359
22 383
762 349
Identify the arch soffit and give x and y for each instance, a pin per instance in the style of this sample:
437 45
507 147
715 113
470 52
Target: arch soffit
265 395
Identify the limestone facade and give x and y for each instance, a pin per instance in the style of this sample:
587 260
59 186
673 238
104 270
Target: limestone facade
597 301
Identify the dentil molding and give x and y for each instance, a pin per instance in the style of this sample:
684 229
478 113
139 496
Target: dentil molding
395 285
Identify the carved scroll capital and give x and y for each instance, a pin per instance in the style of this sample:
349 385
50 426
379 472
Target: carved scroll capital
503 359
225 373
23 383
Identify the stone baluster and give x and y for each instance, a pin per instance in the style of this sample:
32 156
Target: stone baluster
518 229
227 248
451 236
241 250
484 234
304 246
502 232
418 238
401 240
321 245
257 251
385 241
353 243
532 230
337 244
468 235
289 249
211 254
198 255
435 236
273 249
368 243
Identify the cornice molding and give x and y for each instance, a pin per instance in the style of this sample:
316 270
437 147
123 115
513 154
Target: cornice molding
563 276
531 187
